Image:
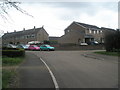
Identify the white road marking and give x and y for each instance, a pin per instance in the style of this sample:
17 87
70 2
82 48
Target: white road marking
52 75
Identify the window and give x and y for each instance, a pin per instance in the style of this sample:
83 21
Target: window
33 35
68 30
101 31
94 32
97 32
90 31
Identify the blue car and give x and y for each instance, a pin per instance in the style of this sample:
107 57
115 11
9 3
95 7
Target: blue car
47 48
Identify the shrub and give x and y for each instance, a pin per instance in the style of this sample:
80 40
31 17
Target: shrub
6 48
112 41
13 53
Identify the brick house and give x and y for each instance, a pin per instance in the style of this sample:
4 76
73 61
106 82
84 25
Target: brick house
25 36
77 32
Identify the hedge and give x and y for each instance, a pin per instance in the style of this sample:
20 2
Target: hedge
6 48
13 53
112 41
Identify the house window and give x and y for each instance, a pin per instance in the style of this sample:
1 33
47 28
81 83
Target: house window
97 32
33 35
27 36
94 32
101 31
68 30
90 31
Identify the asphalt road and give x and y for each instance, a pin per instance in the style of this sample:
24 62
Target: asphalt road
73 69
32 73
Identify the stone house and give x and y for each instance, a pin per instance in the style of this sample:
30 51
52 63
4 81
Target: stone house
77 33
25 36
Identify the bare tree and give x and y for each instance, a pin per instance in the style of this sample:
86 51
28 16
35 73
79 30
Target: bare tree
8 4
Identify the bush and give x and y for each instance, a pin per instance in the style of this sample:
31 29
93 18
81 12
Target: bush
6 48
112 41
13 53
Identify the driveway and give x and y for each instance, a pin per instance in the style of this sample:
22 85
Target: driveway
73 69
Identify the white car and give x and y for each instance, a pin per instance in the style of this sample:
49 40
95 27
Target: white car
11 46
83 44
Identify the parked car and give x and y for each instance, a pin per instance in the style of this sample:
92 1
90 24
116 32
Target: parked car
11 46
47 47
22 46
27 45
83 44
33 47
94 43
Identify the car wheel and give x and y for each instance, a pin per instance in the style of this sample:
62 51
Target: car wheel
48 49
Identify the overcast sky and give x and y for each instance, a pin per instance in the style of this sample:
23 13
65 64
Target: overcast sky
56 16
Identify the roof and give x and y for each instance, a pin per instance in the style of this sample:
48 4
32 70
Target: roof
103 28
23 32
87 25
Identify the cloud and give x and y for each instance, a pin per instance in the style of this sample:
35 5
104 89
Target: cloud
104 18
57 16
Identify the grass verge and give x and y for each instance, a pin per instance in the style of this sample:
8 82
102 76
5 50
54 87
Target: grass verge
8 72
8 61
108 53
6 77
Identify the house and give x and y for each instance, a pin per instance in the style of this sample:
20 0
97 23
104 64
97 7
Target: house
77 32
25 36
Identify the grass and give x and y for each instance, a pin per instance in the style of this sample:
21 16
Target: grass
6 77
8 73
8 61
108 53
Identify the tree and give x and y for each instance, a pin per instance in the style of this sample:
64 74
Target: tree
7 4
112 41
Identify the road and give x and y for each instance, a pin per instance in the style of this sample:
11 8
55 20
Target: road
72 69
32 73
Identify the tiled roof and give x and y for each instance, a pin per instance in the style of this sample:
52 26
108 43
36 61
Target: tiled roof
103 28
20 33
87 25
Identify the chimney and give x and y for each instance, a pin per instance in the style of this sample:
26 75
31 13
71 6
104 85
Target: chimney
7 32
23 29
34 27
14 30
42 26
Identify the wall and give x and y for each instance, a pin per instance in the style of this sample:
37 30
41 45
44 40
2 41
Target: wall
72 34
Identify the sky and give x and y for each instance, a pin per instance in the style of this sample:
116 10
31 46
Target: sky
55 15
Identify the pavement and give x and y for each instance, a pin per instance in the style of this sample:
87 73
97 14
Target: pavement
33 73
